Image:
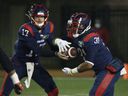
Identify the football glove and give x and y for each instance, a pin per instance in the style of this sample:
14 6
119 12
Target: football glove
18 88
70 71
62 44
67 71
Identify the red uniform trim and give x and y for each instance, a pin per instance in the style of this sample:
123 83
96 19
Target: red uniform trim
104 84
54 92
89 36
111 68
51 26
29 28
3 83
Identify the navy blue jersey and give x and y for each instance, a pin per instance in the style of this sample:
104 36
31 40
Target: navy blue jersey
27 49
97 52
30 42
94 50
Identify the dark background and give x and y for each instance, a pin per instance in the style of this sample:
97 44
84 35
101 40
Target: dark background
114 14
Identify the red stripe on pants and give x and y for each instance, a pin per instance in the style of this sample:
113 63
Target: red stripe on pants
4 80
54 92
104 84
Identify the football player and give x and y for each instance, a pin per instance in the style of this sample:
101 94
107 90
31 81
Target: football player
95 54
32 37
8 67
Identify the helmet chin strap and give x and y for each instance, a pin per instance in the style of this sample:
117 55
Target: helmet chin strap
86 29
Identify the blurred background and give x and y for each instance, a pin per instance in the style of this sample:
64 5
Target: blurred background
112 15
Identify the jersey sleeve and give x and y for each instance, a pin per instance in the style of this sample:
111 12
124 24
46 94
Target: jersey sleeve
50 30
92 47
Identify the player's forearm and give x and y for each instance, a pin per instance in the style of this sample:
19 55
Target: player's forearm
85 66
14 77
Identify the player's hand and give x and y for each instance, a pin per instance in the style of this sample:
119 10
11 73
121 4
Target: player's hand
67 71
63 56
62 44
18 88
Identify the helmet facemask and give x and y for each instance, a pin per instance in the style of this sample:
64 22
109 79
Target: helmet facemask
38 11
78 25
39 21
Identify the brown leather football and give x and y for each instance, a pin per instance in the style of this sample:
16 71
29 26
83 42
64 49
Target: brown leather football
72 52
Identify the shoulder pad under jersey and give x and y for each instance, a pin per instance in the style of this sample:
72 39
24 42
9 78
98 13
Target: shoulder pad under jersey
89 36
29 28
51 26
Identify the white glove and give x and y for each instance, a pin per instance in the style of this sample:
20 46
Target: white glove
67 71
70 71
62 44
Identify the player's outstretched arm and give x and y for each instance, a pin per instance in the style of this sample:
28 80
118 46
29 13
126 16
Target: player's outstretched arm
18 87
63 45
85 66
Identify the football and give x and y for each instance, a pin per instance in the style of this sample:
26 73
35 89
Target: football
72 52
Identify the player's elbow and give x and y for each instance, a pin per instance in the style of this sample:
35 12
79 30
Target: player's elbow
89 66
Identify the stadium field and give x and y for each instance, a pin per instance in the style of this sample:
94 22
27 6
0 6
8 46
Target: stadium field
77 86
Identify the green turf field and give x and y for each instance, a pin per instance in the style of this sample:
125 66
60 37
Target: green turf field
74 87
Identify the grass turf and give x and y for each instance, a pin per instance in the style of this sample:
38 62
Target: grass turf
69 86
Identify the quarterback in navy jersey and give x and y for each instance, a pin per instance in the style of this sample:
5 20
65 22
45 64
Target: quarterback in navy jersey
32 36
95 54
